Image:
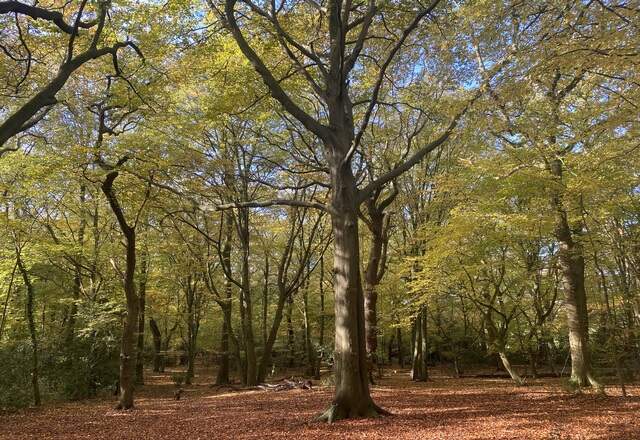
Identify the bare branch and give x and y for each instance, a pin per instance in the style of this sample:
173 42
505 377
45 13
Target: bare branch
36 13
267 76
444 136
274 202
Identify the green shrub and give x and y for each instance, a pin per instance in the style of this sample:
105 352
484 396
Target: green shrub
15 376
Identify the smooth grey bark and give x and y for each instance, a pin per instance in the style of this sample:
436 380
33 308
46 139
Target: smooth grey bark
572 266
419 370
352 397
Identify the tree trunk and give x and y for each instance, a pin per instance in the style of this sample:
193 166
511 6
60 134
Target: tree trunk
507 366
425 345
308 345
419 362
291 336
193 325
377 223
371 327
130 327
142 293
371 280
267 349
246 307
265 299
571 261
222 378
77 272
35 378
157 345
6 300
322 320
399 342
352 397
130 321
533 362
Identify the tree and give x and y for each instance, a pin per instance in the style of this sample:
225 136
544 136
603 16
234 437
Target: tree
128 356
343 29
29 113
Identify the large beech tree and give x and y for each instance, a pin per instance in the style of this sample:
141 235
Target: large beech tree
338 50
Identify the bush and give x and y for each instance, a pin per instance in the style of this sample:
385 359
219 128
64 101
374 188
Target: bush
15 376
81 369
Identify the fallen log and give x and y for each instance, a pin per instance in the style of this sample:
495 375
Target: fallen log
287 384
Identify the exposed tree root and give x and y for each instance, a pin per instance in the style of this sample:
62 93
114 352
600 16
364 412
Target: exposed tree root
578 384
340 412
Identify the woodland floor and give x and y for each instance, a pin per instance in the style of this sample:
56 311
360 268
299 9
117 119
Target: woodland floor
443 408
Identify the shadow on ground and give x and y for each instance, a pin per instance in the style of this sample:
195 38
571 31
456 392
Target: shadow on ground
456 409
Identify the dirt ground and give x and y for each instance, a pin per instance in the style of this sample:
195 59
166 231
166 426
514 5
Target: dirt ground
443 408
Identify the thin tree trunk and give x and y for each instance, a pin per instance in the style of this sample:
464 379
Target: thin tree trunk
222 377
370 293
399 342
246 307
291 336
322 319
142 293
6 300
308 345
418 367
130 321
77 272
377 223
507 366
265 299
35 378
425 345
157 345
193 325
190 335
267 349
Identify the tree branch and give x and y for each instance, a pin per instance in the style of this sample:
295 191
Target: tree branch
422 152
272 84
274 202
36 13
380 79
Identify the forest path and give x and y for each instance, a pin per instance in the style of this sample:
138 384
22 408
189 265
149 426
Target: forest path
456 409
